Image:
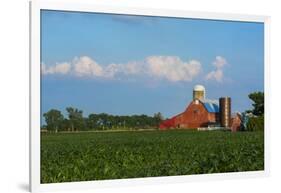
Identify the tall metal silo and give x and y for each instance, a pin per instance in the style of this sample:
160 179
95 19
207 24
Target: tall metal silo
225 111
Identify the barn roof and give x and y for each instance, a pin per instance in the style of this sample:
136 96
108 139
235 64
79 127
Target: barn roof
212 106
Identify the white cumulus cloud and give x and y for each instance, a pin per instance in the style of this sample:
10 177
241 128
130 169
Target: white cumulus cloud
219 62
85 66
170 68
217 74
58 68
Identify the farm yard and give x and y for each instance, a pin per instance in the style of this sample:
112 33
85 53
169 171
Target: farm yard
84 156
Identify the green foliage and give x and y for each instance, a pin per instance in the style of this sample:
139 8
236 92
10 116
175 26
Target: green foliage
256 124
258 99
159 117
105 121
67 157
53 119
102 121
76 119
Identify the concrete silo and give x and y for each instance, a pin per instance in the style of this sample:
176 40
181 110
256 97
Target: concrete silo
199 92
225 111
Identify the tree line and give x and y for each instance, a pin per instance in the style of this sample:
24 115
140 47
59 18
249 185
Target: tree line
75 121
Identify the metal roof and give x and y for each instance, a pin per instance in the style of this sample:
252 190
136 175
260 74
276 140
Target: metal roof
212 106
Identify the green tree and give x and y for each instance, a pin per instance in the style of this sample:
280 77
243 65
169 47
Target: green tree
92 121
158 118
258 99
65 126
76 119
255 124
53 119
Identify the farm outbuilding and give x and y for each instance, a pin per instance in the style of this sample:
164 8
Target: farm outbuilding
203 112
236 122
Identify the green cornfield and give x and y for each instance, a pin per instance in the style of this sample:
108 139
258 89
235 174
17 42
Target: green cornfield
68 157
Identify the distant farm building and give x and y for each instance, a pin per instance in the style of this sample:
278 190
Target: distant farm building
204 113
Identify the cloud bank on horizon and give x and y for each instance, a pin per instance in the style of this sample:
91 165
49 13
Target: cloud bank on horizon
169 68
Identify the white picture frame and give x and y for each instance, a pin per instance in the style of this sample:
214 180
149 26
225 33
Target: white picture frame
36 6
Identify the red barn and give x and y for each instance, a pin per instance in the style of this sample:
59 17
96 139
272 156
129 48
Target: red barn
199 113
204 113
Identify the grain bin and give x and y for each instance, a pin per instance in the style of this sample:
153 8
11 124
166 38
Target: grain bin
225 111
199 92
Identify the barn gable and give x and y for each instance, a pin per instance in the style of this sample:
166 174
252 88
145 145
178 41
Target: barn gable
199 113
211 106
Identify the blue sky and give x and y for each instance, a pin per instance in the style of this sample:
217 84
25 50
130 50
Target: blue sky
127 65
